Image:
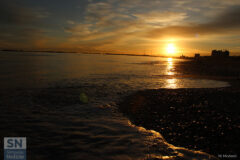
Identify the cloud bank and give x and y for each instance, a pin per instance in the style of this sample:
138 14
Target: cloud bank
119 25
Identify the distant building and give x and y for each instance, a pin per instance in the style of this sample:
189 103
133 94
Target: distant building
182 56
220 53
197 56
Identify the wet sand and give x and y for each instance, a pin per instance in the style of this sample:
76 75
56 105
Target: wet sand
205 119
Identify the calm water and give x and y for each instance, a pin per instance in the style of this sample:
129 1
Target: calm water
95 130
37 70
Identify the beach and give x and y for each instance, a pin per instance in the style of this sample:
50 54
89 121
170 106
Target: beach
205 119
198 119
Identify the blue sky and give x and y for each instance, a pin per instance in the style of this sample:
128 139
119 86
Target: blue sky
121 26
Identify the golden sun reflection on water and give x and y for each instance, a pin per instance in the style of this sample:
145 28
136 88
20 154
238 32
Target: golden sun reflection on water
170 83
170 67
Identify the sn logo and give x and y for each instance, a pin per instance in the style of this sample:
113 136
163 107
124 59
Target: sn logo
15 143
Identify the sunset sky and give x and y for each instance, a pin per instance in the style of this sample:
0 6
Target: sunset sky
158 27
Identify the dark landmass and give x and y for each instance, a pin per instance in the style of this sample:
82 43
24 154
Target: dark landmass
147 55
224 69
228 67
16 50
49 51
200 119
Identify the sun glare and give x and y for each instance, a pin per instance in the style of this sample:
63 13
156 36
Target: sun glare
171 49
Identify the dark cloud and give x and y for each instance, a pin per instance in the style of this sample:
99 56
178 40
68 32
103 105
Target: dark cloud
15 14
228 21
20 25
21 36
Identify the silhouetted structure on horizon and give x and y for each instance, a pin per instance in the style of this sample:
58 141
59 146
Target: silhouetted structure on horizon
182 56
197 56
220 53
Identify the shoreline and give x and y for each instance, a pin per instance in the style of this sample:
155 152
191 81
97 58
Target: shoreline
189 118
205 119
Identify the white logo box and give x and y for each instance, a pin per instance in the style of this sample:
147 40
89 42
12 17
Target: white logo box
15 142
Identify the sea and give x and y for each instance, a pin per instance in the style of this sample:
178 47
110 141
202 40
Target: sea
95 130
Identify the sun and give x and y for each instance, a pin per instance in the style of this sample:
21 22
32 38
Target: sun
171 49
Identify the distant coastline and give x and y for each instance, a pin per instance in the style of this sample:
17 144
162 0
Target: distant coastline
49 51
122 54
19 50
